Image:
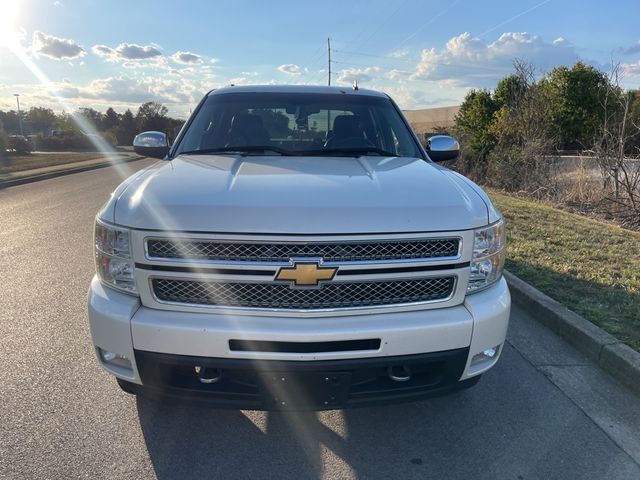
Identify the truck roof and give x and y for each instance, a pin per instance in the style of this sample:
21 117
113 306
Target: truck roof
321 89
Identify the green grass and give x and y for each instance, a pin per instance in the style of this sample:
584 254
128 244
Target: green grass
592 267
37 160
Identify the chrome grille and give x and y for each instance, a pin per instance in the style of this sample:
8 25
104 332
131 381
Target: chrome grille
282 252
282 296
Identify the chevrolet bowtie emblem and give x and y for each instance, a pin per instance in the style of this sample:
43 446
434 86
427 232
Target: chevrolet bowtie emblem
307 274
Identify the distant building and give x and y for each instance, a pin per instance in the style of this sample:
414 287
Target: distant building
431 120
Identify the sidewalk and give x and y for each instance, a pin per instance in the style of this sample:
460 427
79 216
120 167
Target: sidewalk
33 175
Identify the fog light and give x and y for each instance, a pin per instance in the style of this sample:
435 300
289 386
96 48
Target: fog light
490 352
115 359
487 355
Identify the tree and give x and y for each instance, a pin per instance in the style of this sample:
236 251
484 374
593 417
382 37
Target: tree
92 116
42 120
523 134
617 152
472 128
510 89
633 147
126 130
110 119
66 123
10 121
152 116
576 96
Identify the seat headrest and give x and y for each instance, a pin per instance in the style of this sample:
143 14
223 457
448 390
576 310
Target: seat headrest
345 126
246 122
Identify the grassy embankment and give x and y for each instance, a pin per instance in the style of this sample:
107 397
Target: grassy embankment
591 267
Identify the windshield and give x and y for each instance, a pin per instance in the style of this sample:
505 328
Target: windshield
299 123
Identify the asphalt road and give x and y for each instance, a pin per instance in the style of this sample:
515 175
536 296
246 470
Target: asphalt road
543 412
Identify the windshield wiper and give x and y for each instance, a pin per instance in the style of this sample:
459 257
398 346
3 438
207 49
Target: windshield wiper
241 150
350 152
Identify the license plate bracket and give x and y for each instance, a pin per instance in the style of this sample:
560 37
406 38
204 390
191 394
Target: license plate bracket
305 390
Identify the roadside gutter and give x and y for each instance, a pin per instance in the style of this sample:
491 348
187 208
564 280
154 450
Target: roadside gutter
613 356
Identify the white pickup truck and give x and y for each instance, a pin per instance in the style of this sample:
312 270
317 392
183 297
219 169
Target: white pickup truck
297 248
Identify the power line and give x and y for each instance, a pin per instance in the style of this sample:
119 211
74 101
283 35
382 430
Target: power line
393 60
431 20
351 64
384 22
316 77
319 50
329 57
514 17
356 42
406 39
362 54
318 55
440 64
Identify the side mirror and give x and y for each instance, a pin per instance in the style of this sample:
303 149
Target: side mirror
442 147
151 144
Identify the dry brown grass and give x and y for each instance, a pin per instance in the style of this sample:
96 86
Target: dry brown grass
588 265
38 160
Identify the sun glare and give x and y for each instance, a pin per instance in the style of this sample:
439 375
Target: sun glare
10 39
8 23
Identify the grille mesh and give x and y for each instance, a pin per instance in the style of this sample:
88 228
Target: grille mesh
276 295
282 252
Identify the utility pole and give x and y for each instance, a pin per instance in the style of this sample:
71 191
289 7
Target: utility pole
329 51
17 95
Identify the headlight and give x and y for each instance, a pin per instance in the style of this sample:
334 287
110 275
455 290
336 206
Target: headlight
487 262
113 257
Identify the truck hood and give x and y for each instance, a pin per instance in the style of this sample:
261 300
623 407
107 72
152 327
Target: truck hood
298 195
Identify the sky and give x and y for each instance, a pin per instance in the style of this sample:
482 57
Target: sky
67 54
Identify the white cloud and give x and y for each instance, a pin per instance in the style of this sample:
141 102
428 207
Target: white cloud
55 47
187 58
239 81
131 51
409 98
120 92
290 69
472 61
400 53
630 69
396 74
103 50
134 90
350 75
128 51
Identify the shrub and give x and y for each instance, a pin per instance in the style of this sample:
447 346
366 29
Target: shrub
110 137
4 142
20 145
64 141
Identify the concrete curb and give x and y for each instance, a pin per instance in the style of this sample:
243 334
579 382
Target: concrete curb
66 171
618 359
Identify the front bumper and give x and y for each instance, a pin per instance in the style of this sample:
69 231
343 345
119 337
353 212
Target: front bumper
316 385
160 344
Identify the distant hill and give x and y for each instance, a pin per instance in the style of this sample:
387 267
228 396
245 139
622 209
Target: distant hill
428 120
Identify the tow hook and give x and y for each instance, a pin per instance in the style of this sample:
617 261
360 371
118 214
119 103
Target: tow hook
208 375
399 373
